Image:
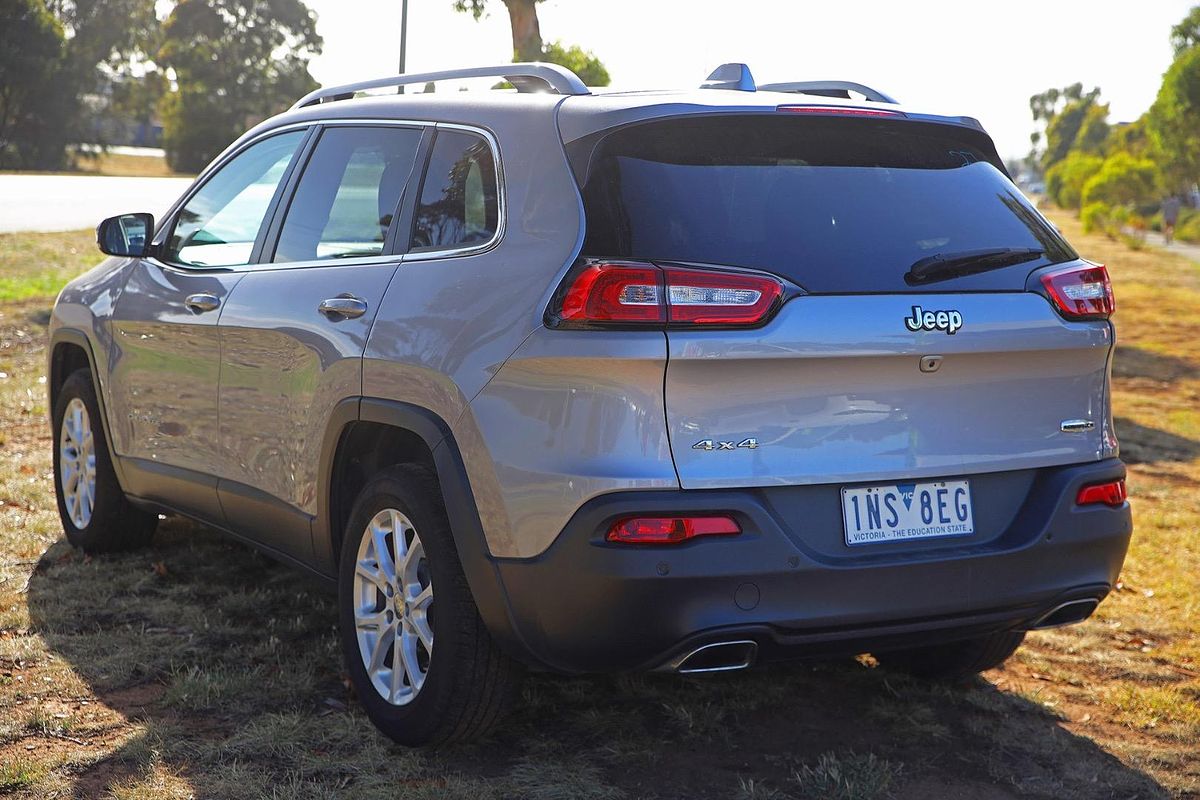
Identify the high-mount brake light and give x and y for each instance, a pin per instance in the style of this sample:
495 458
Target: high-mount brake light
1081 292
638 293
841 111
1111 493
670 530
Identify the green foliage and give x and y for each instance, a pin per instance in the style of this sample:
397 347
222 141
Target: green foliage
236 62
1047 105
1187 228
1174 121
1187 33
1122 180
582 62
1094 217
1129 137
33 115
1081 124
1065 180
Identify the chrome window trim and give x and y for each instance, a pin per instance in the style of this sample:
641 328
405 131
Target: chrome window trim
501 205
212 169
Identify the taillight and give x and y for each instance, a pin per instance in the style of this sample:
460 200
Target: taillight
841 111
1111 493
1081 292
637 293
670 530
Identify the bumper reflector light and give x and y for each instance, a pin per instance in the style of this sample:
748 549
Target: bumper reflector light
670 530
1110 494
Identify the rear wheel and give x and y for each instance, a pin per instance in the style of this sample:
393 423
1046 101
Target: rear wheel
418 654
954 660
95 513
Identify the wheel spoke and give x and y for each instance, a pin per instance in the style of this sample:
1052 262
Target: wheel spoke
370 620
386 637
408 651
370 572
383 555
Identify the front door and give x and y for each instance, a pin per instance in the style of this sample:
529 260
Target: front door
164 372
294 330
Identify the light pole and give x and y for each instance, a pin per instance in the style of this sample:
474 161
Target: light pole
403 35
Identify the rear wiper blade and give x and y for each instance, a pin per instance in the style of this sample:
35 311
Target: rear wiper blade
968 262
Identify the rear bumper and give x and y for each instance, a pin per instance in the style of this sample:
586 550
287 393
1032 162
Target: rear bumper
589 606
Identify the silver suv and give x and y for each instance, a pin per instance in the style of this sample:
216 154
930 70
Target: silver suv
580 382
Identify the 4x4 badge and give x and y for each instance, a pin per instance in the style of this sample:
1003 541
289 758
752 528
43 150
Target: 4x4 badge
949 321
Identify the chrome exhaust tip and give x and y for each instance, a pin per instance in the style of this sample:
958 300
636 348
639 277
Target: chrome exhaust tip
1067 613
717 657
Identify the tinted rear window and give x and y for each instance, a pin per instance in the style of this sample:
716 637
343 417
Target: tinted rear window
837 206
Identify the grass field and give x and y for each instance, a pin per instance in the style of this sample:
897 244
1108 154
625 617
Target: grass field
199 668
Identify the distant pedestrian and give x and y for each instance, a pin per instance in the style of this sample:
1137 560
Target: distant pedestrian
1170 212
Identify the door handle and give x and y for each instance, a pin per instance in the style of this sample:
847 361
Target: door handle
346 306
201 302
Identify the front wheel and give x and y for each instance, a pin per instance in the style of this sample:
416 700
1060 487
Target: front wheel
96 515
418 654
954 660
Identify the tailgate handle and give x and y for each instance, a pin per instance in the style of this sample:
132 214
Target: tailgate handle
1076 425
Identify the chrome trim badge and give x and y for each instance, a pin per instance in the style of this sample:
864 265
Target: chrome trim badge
949 320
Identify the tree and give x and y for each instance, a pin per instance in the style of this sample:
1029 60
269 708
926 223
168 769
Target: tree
235 62
1065 180
522 18
1122 181
1062 112
31 110
528 45
1187 33
1174 121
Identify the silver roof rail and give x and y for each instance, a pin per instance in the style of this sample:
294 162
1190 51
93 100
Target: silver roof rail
730 76
829 89
527 77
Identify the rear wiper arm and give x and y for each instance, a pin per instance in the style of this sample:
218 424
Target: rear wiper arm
968 262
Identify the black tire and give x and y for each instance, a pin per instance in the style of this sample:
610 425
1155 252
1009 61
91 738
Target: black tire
469 683
954 660
115 523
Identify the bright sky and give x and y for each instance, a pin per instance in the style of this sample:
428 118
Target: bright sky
940 56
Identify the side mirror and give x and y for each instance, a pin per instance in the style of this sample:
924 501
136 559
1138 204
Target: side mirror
126 235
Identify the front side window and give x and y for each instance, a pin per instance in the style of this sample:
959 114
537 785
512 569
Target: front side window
219 224
459 204
348 195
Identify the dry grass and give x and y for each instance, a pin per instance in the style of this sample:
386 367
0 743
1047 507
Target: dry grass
200 668
118 165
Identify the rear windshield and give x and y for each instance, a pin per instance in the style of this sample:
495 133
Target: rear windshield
835 205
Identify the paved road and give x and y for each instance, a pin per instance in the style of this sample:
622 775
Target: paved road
71 202
1191 251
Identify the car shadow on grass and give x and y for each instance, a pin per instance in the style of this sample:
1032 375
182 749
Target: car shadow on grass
1142 444
227 666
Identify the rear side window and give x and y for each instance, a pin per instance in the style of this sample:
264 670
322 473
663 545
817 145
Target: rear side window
348 194
835 205
459 204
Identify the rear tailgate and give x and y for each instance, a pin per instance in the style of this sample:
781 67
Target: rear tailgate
832 390
837 387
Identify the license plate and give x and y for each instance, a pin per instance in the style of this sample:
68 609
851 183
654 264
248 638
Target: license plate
898 511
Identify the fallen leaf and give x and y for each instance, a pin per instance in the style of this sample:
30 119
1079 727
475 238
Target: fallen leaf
160 568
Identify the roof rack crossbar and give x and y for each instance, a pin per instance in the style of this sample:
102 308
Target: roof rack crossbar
526 77
826 88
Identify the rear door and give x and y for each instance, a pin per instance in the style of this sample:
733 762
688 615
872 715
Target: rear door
294 329
864 374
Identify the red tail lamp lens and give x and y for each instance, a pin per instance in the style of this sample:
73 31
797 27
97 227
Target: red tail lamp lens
1110 494
670 530
615 293
1081 292
640 293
